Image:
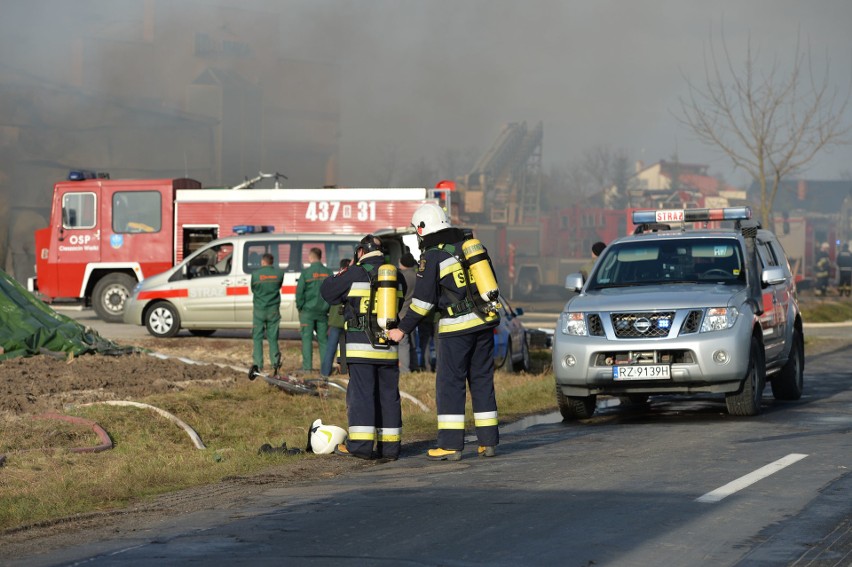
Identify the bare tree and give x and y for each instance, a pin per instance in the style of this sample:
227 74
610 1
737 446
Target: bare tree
769 123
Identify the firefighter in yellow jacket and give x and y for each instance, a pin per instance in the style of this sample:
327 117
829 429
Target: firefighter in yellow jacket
466 345
372 397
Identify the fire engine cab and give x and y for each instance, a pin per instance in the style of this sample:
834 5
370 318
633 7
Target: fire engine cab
106 235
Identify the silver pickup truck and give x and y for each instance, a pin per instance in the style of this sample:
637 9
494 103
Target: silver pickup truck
682 311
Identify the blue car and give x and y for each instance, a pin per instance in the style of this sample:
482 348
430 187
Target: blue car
511 343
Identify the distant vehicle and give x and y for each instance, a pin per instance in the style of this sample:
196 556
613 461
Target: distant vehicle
511 343
106 235
682 311
210 289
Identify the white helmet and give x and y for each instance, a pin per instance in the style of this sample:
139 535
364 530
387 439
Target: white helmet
324 438
429 218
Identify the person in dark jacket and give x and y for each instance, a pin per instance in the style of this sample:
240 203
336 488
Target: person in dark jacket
844 266
466 336
336 335
313 310
372 397
266 312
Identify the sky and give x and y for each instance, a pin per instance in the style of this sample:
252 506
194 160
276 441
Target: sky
419 77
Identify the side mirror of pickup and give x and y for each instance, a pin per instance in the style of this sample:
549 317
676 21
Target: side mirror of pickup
574 282
773 276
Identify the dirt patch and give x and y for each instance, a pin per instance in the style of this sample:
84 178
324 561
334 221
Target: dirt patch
46 383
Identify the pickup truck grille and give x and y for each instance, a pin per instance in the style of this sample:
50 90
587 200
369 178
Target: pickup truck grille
642 325
692 323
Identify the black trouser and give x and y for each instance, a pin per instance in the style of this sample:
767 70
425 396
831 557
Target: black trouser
466 359
425 330
373 409
845 285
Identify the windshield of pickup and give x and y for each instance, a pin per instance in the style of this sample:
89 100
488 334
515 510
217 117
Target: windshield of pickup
664 261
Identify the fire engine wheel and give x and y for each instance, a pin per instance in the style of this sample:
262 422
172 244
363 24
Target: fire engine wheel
162 320
527 284
109 298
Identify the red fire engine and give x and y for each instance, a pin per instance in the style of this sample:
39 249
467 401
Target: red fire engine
106 235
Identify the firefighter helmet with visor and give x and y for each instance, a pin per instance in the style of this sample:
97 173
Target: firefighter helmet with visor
429 218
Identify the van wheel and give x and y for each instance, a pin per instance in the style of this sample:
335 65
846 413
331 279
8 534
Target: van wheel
789 383
109 298
575 407
747 400
162 320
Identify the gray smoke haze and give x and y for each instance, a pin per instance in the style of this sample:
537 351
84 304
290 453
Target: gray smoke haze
422 76
419 77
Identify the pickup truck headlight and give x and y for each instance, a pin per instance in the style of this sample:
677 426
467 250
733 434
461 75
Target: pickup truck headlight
574 324
719 319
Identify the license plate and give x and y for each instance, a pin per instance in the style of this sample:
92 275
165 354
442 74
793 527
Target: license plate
641 372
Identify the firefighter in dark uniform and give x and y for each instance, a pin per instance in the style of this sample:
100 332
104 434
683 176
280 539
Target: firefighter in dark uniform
466 345
823 269
844 266
372 397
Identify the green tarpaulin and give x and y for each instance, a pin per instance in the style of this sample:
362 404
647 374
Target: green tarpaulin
29 327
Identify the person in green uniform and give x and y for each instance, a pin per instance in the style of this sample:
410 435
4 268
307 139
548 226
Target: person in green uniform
313 310
266 312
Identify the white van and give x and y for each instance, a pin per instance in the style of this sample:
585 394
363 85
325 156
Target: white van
210 289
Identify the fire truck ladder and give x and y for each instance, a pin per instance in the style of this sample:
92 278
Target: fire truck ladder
510 173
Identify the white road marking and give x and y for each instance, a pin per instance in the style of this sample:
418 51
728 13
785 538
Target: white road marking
750 478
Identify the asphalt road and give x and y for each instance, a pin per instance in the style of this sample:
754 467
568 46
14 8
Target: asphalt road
681 483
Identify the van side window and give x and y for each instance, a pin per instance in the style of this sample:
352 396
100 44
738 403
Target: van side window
78 210
136 211
254 251
214 261
306 248
332 252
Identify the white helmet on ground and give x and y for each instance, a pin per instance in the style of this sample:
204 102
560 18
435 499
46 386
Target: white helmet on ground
429 218
324 438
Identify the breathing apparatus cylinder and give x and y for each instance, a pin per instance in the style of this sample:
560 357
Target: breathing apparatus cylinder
386 298
480 270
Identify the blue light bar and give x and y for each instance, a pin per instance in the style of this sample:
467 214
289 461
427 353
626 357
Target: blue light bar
252 229
691 215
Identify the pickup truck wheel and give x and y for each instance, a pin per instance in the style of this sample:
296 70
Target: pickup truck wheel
789 383
162 320
575 407
523 365
747 401
109 298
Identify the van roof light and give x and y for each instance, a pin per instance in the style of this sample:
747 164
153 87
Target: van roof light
252 228
691 215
